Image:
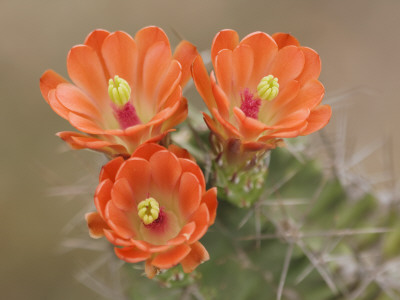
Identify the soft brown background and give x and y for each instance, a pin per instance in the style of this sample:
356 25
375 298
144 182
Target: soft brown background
358 42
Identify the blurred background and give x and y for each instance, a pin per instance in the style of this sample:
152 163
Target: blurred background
358 42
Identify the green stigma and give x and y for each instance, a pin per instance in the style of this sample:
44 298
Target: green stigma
268 88
119 90
148 210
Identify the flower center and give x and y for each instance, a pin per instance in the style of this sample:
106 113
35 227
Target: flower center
148 210
120 93
268 88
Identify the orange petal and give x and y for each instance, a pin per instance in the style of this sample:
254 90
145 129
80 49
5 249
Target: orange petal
171 257
135 135
312 65
102 196
183 235
84 124
174 97
243 60
286 94
202 82
76 101
225 39
115 239
231 130
120 56
221 100
110 149
145 151
249 128
158 138
49 81
166 170
67 136
168 83
318 118
309 96
89 142
202 218
86 71
189 194
224 70
119 221
286 132
96 38
60 109
96 225
145 246
122 195
210 199
292 119
191 166
156 63
197 255
95 41
157 122
285 39
145 39
180 152
137 172
131 254
270 108
148 36
115 132
264 51
211 124
185 53
288 64
109 171
178 112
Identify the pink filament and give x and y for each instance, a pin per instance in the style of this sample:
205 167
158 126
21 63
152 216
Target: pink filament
250 105
126 115
159 223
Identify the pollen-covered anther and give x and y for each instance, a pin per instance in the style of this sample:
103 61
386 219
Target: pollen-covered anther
268 88
119 90
148 210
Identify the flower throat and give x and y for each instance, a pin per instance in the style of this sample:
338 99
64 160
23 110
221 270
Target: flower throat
120 92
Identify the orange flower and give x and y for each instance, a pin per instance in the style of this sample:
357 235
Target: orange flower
126 91
154 207
266 88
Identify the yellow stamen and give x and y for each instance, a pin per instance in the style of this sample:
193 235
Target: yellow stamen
119 90
148 210
268 88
